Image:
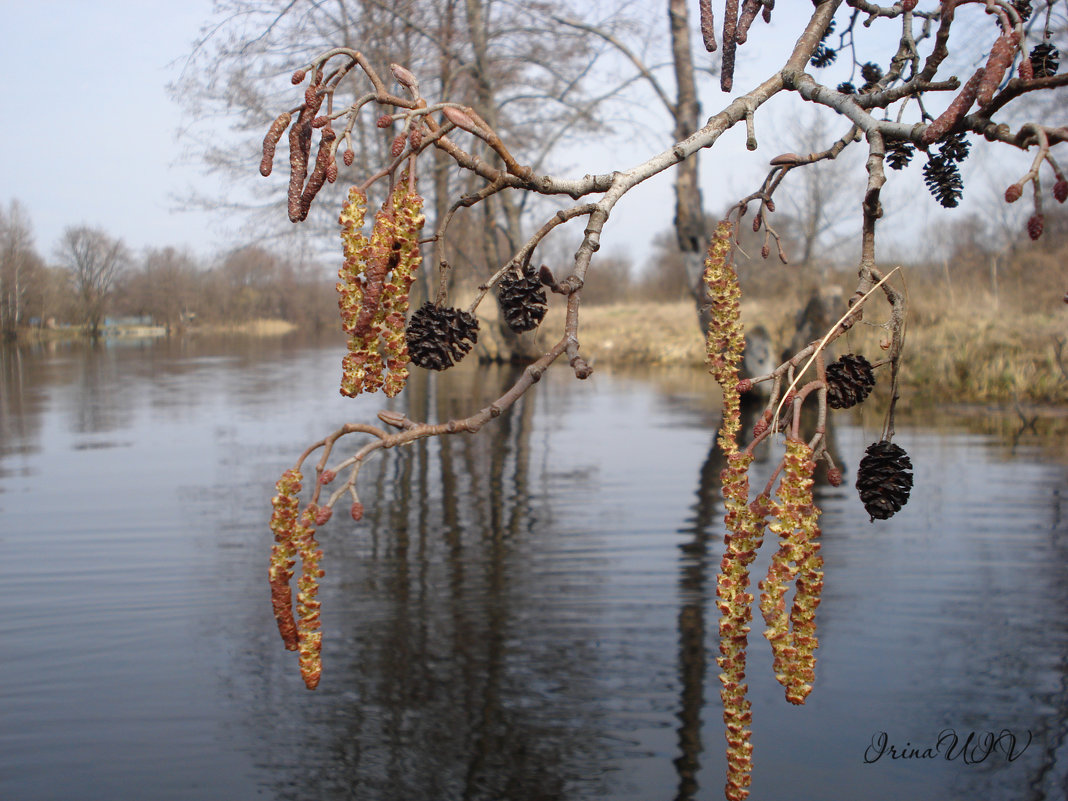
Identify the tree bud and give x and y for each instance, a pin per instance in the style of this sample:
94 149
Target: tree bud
404 77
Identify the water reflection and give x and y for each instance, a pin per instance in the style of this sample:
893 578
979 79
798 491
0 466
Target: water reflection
523 614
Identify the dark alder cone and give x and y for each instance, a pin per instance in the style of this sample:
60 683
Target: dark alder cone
943 180
849 381
1023 8
846 88
871 72
1045 58
884 479
522 300
440 337
824 55
955 147
898 154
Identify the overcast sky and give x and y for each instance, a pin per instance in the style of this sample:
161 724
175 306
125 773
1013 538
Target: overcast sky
90 134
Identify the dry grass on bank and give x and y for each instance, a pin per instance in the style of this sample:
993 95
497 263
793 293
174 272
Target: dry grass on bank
969 353
256 328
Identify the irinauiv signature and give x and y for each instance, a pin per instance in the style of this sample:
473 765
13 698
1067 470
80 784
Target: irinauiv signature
971 749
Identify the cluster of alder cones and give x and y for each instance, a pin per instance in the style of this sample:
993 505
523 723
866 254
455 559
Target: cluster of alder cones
884 478
439 336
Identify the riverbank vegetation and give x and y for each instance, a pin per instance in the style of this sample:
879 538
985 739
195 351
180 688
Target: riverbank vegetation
988 311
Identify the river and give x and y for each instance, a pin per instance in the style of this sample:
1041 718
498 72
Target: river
523 615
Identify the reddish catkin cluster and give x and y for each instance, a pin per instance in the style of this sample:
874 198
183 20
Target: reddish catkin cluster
283 554
376 280
304 187
793 637
295 537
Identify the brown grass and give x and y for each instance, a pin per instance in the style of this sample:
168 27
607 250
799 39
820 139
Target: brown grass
255 328
970 353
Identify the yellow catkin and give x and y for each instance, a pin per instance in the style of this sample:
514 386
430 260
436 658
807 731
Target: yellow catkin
374 287
309 633
793 638
724 344
725 338
283 554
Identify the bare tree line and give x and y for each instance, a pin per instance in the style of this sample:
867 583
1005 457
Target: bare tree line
93 275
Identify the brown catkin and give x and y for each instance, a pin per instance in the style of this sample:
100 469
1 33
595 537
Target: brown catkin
270 141
749 12
956 111
730 23
708 25
318 177
999 60
300 139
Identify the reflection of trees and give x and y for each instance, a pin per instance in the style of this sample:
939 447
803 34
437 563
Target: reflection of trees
446 687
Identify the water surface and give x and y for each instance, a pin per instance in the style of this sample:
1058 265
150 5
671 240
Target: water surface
523 614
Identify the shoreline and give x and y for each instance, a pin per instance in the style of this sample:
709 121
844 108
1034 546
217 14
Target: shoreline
974 359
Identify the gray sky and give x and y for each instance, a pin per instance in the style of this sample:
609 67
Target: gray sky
91 135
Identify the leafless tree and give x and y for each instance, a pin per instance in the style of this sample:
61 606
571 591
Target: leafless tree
164 288
94 261
20 267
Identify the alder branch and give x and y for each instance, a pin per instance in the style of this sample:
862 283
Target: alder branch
378 272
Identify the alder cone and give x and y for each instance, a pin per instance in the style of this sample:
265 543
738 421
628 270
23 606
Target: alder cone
954 147
522 300
943 180
440 337
871 72
884 479
1045 59
849 381
899 153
